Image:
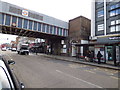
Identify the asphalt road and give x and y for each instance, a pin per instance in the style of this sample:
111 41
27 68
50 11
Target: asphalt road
36 71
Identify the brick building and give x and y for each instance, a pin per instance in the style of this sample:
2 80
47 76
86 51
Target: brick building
79 32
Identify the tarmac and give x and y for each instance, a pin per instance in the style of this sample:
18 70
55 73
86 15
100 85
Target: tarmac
81 61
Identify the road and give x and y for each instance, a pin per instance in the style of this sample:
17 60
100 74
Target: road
36 71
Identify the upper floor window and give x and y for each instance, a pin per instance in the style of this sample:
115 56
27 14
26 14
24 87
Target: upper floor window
8 19
112 22
100 13
20 22
118 21
114 6
100 27
30 25
115 12
100 1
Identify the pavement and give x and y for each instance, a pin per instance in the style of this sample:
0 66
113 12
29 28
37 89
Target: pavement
81 61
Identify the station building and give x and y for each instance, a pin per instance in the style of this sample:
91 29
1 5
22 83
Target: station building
19 21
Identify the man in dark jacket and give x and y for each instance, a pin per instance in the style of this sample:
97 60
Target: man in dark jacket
99 55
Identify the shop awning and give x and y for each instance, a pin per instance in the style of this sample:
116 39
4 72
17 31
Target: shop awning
93 44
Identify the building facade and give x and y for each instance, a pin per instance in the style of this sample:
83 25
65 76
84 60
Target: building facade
19 21
79 32
105 29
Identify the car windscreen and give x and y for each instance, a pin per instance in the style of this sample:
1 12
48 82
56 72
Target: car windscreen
4 81
24 48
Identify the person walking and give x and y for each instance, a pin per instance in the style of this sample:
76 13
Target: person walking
91 56
99 55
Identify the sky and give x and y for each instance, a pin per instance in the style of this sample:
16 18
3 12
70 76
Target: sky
60 9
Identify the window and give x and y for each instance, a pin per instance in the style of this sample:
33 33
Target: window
20 22
112 22
14 19
113 13
30 25
35 26
100 13
39 26
2 18
118 21
43 28
50 29
25 23
7 21
118 28
100 1
114 6
54 30
4 82
100 27
60 32
47 29
112 29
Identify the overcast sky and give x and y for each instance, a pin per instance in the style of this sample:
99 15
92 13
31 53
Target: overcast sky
60 9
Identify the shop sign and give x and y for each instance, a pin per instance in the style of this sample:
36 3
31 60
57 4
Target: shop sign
24 12
114 38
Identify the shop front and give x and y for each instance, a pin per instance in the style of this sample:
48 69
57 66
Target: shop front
112 49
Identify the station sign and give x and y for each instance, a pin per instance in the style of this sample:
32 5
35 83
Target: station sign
25 13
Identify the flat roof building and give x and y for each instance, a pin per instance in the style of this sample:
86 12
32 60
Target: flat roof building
105 29
30 20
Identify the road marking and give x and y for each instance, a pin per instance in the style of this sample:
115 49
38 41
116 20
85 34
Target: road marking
89 71
79 79
114 77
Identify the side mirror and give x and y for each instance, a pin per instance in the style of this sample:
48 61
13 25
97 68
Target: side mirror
22 85
10 62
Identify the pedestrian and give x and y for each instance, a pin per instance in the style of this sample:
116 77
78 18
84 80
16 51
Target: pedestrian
99 55
91 56
87 57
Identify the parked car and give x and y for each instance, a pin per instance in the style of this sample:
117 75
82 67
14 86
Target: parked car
3 49
13 49
8 79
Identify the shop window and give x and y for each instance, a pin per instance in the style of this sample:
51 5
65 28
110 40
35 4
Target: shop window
25 23
100 13
39 26
35 26
20 22
30 25
100 27
8 19
112 29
